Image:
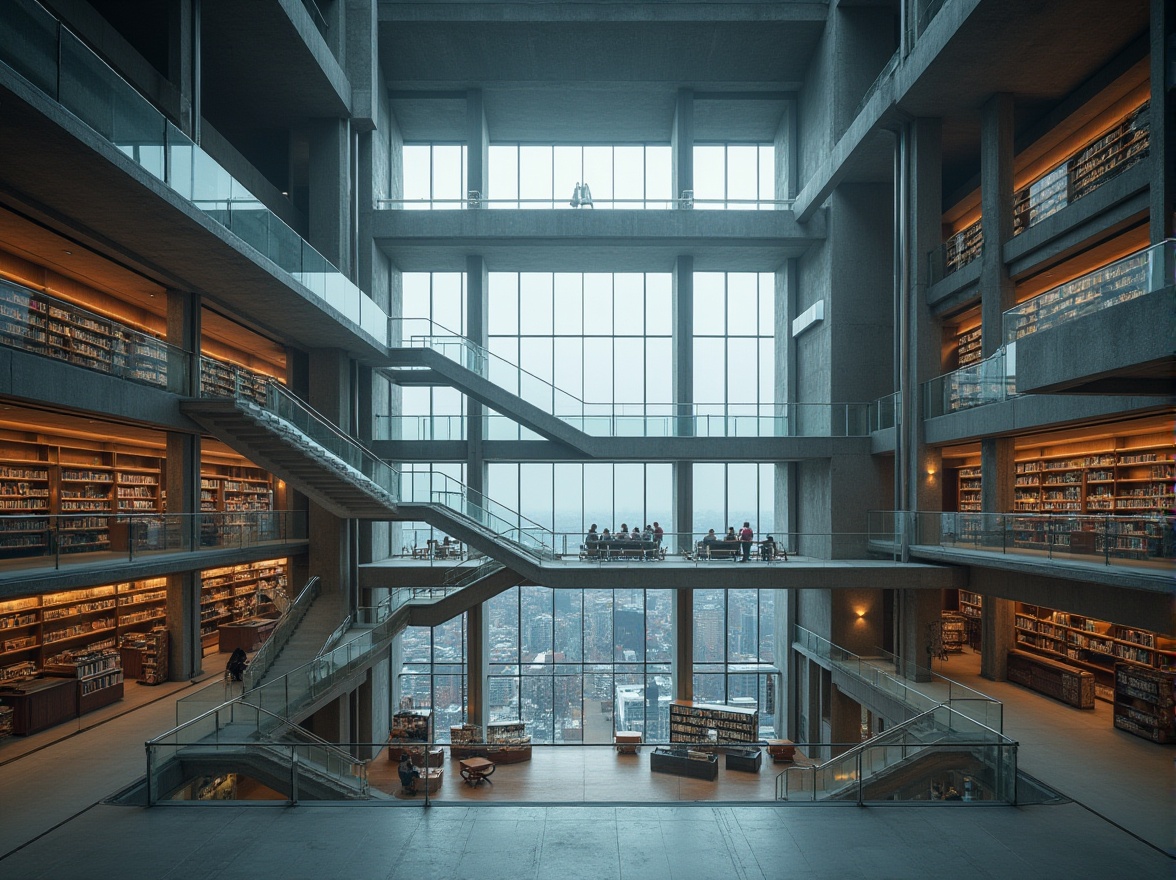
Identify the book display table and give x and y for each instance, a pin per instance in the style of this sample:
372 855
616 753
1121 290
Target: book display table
627 741
746 759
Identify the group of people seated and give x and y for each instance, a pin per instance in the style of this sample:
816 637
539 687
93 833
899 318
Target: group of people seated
644 543
737 545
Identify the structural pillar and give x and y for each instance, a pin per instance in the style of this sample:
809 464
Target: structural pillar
918 614
477 632
477 300
996 637
329 214
477 147
1162 146
682 145
996 206
683 628
683 396
329 392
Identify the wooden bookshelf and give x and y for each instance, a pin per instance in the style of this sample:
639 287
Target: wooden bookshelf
970 483
99 677
1145 702
145 656
24 492
969 348
1090 644
707 723
971 604
237 593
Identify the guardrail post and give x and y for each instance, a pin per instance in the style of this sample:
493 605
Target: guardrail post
293 776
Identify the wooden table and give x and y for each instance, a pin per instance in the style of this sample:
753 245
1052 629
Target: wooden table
781 750
431 779
248 635
627 741
474 770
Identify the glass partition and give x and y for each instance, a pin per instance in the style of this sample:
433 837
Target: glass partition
51 327
990 381
1134 276
63 67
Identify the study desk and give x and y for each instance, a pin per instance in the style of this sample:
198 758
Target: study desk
474 770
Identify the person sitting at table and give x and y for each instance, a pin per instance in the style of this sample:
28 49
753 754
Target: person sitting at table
768 548
446 548
408 773
730 536
709 539
623 534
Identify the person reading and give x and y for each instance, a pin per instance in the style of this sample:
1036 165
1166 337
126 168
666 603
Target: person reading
409 774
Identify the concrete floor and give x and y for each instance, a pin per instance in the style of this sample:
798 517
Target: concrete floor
53 824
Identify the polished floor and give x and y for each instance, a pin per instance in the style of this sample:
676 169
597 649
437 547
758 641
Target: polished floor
1118 823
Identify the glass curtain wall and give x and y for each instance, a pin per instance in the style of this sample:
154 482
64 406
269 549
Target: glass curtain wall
546 176
436 413
734 655
575 665
434 177
603 338
734 177
433 672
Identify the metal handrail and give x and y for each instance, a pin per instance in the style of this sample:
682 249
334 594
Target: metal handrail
268 652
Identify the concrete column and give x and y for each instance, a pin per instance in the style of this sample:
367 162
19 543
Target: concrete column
845 720
996 206
329 213
683 343
787 474
996 637
373 709
683 393
788 696
682 143
1163 120
924 216
182 57
996 468
917 615
477 144
477 302
683 628
477 639
787 136
329 392
185 650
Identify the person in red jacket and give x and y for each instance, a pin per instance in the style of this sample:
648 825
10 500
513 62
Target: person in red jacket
745 536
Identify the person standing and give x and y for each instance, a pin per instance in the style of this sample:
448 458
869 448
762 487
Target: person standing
745 536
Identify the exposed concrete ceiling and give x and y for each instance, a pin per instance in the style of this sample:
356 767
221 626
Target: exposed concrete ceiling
555 72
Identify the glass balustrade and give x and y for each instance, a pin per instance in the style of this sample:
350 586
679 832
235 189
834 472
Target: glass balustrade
1139 274
33 541
989 381
50 57
686 201
45 325
1084 171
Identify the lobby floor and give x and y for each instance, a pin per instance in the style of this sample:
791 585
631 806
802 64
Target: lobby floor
54 824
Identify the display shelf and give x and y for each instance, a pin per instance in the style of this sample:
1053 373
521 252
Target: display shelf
99 677
24 492
953 628
145 656
1145 702
1090 644
971 604
5 721
237 593
1103 158
413 726
969 349
963 247
970 483
223 379
710 723
507 742
1053 678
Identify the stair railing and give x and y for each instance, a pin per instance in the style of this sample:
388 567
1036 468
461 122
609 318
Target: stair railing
267 653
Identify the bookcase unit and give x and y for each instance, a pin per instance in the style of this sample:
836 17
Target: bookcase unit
953 629
223 379
99 676
970 604
144 656
963 247
1145 702
969 349
1108 155
1052 678
507 742
413 727
24 492
1090 644
709 723
238 592
969 490
5 721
